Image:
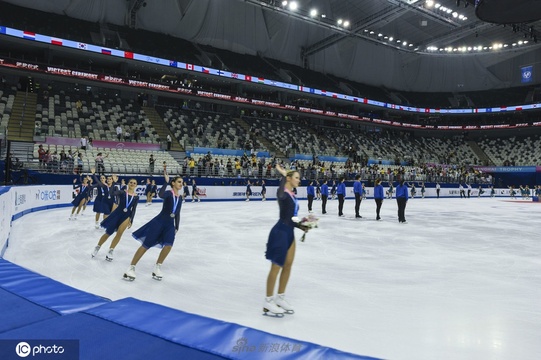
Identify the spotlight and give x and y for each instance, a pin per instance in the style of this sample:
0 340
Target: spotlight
346 23
313 13
293 5
339 21
284 3
429 3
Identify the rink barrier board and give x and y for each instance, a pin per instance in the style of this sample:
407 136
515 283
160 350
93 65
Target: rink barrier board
16 202
213 336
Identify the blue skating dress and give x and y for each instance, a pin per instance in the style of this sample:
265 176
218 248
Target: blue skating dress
103 203
160 231
118 216
107 200
83 194
282 236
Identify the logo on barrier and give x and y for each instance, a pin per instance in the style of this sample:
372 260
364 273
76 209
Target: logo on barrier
20 199
48 195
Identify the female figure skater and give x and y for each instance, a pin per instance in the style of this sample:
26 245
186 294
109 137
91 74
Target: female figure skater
150 191
195 194
148 187
248 190
103 204
81 198
263 191
281 244
161 230
120 219
186 191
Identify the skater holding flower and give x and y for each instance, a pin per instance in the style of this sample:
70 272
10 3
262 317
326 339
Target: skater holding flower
281 244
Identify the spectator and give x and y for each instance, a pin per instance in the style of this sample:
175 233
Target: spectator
151 162
41 156
100 167
169 142
84 142
119 132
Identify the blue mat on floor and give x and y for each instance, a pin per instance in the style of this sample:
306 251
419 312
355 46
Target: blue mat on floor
16 311
102 339
34 308
44 291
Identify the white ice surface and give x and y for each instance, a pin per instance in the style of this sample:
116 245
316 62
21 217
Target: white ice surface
461 280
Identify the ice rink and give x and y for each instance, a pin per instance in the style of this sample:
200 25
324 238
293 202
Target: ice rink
461 280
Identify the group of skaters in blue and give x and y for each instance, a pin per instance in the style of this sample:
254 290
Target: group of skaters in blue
118 202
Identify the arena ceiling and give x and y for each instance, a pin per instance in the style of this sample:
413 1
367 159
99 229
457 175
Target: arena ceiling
412 45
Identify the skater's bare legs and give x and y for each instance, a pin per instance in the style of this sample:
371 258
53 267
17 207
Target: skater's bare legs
285 272
119 232
125 225
271 279
163 254
138 255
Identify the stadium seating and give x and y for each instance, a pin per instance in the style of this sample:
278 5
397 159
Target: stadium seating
6 104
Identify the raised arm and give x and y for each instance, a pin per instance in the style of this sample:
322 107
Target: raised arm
280 193
161 193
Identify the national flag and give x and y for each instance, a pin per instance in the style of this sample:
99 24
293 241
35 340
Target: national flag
335 96
301 88
234 75
248 78
427 110
106 51
526 73
365 100
503 108
29 35
355 100
189 67
56 41
220 72
173 63
323 92
205 70
312 90
128 54
519 108
261 80
2 29
82 46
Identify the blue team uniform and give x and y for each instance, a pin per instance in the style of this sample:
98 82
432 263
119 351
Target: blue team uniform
160 231
118 216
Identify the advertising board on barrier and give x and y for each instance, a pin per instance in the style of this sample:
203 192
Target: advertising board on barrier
18 201
28 198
